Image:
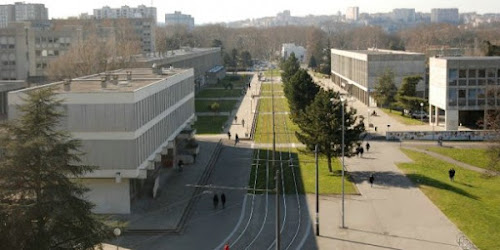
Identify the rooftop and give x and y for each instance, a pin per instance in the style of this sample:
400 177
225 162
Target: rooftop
174 53
383 52
469 58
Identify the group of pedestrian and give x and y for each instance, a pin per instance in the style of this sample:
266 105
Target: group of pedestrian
360 150
222 199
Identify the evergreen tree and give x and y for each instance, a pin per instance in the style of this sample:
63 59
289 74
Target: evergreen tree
40 206
385 90
300 91
289 67
312 63
321 123
406 95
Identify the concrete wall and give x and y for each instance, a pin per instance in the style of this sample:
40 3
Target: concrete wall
438 77
108 196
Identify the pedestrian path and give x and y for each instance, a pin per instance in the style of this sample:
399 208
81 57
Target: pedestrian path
450 160
393 214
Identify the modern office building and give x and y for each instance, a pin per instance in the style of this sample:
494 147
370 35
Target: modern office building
403 15
130 123
465 88
288 48
5 87
177 18
357 70
125 11
352 14
445 16
21 11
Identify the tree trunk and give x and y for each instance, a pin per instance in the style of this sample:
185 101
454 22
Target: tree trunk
329 157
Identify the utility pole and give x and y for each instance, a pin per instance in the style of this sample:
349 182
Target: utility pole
278 237
317 190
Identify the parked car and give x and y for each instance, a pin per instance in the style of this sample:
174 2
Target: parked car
417 114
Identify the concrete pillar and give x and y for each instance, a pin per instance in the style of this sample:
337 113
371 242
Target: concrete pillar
430 115
451 120
436 116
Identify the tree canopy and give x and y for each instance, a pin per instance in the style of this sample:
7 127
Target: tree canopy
40 206
300 91
321 123
406 95
289 67
385 89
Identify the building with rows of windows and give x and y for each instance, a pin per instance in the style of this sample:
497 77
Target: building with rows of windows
464 88
129 122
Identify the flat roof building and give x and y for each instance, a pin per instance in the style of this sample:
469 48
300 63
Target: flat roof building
128 121
352 13
357 70
21 11
465 88
445 16
125 11
177 18
288 48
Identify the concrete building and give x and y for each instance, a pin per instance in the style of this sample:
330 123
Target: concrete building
21 11
177 18
357 70
131 123
403 15
445 16
202 60
465 88
288 48
125 11
352 14
5 87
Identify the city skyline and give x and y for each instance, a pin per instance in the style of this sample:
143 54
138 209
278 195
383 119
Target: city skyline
259 8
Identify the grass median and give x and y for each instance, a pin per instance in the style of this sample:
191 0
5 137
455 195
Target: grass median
478 157
210 124
219 93
224 105
402 119
471 202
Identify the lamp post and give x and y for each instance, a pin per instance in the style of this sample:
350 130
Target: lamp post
342 101
421 112
117 232
369 113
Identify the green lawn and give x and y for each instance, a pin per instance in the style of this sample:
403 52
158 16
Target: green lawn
304 169
215 93
273 73
204 106
238 81
473 156
269 87
471 202
280 105
284 129
402 119
210 124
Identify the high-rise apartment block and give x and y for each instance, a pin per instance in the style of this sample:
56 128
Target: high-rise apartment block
403 15
21 11
352 14
177 18
445 16
125 12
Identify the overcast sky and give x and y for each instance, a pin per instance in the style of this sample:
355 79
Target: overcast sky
213 11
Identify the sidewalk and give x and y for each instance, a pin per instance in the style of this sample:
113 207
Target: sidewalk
393 214
246 112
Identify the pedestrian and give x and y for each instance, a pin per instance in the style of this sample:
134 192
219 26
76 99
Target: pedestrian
367 147
371 179
228 135
180 163
451 173
223 200
226 247
358 151
243 122
216 201
361 151
235 118
236 139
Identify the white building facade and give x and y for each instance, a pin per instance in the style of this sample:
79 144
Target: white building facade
445 16
352 14
128 122
288 48
21 11
465 88
125 11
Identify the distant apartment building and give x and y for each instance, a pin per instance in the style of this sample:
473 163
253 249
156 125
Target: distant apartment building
445 16
125 11
357 71
352 14
288 48
465 88
131 123
177 18
21 11
403 15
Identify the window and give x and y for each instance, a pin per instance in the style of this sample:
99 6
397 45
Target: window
472 73
491 73
462 73
481 73
461 93
472 82
452 97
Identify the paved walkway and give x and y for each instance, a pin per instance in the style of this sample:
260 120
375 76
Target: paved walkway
393 214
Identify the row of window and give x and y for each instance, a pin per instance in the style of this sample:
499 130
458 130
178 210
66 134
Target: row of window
49 52
7 46
454 74
41 40
473 97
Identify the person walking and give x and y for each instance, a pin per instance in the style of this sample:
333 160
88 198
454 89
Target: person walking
228 135
451 174
367 147
236 139
226 247
180 163
371 179
223 200
216 200
361 151
235 118
243 122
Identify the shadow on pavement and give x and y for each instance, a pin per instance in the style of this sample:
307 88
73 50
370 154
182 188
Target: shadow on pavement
361 243
398 236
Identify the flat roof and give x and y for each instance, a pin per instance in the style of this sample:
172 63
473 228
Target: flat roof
382 52
174 54
468 58
141 77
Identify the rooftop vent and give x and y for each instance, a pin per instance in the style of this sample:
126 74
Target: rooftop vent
104 83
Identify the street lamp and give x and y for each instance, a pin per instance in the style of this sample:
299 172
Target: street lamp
421 112
117 232
342 100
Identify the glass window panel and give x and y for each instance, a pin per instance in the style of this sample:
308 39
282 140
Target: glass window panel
481 73
462 82
461 93
462 73
491 73
472 82
452 73
472 94
481 82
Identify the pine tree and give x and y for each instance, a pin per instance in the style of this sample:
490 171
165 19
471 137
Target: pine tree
289 67
385 90
41 204
300 91
321 123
